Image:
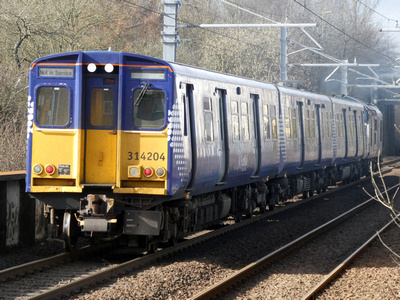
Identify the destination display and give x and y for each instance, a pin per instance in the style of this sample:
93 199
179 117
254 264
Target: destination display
148 74
56 72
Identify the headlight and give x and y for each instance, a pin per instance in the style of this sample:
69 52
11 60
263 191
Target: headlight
134 171
91 67
38 169
109 68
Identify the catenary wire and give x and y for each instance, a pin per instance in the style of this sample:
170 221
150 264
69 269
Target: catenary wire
346 34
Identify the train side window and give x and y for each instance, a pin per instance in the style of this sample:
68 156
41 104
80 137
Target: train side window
102 107
208 120
339 123
274 124
52 106
244 110
235 121
307 123
343 134
294 123
312 124
287 123
337 126
266 119
327 126
354 120
350 125
149 108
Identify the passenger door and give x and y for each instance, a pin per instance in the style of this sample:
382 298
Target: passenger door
223 133
257 143
101 130
302 133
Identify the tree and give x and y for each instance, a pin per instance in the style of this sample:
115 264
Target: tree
382 196
34 28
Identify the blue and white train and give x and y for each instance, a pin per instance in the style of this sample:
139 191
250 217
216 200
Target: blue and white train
133 147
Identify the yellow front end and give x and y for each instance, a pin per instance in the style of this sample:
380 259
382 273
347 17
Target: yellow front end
143 161
56 160
101 157
140 167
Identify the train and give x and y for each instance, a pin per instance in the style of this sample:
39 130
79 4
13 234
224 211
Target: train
134 148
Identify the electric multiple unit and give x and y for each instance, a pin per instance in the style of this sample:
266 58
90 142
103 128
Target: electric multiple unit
123 145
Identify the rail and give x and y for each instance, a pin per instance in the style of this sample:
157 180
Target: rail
140 262
252 268
342 266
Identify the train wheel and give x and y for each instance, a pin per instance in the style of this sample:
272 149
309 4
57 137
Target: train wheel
263 206
252 206
173 240
152 244
70 231
238 217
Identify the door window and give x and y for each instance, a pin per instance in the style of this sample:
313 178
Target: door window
102 107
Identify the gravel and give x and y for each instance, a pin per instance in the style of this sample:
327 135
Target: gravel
184 276
375 275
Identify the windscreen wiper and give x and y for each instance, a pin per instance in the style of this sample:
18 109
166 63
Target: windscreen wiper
142 93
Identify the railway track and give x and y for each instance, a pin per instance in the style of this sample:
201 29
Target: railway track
241 276
343 265
69 282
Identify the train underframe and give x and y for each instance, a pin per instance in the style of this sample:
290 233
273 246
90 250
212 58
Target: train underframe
136 224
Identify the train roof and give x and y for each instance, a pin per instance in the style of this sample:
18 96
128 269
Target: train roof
121 58
112 57
196 72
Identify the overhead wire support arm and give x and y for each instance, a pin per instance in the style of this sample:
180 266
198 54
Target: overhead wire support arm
275 25
395 29
390 30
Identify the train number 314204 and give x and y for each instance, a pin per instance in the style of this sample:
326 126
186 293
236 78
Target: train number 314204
146 156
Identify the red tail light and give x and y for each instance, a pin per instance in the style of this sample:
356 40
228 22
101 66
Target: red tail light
148 172
50 169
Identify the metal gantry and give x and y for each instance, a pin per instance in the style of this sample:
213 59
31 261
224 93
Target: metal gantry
171 42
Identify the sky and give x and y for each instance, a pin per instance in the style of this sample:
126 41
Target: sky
391 10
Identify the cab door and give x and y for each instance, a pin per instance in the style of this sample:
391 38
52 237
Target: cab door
101 131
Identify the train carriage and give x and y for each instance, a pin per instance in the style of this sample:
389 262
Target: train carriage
305 133
132 147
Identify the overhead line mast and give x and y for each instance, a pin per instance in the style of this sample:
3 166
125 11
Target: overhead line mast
171 38
171 42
